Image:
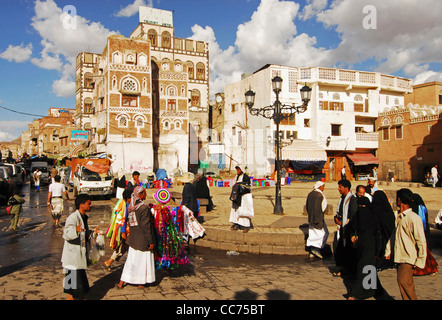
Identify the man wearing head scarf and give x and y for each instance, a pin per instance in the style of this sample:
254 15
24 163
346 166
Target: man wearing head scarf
140 265
373 184
317 230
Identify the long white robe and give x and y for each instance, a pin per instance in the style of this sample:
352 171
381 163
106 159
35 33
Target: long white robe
318 237
243 214
139 267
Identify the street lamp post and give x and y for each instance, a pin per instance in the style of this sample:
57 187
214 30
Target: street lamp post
278 112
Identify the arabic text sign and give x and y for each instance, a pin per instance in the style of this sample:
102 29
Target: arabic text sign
79 135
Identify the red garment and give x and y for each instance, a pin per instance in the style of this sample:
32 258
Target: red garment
430 266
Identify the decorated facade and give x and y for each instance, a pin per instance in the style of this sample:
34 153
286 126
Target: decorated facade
149 91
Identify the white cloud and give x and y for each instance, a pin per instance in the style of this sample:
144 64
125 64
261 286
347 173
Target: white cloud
63 38
407 38
133 8
408 34
313 7
11 130
18 54
270 37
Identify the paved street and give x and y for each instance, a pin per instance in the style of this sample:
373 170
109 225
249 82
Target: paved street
31 270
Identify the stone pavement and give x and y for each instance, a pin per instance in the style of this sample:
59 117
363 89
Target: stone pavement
251 274
286 234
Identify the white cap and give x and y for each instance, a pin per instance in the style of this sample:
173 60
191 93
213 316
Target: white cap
318 184
372 178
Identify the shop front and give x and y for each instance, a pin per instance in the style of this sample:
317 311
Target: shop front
362 164
304 161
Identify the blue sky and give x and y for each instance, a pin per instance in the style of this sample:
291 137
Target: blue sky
37 54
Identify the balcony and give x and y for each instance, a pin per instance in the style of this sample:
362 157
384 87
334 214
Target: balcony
354 78
368 140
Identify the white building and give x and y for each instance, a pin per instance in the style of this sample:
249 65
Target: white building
339 120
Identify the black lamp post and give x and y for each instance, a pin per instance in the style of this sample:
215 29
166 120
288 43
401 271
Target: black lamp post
278 112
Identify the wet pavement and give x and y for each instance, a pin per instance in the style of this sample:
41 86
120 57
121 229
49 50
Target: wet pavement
30 268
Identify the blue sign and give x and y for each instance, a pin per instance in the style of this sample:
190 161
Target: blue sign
79 135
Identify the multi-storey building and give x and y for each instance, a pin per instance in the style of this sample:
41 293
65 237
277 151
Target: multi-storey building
338 128
84 96
410 137
150 97
51 135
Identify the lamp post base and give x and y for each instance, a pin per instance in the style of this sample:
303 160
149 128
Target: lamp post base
278 209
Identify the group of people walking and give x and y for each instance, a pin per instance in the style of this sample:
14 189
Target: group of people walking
371 237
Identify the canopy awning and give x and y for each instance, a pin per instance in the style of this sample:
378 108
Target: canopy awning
304 154
363 159
304 150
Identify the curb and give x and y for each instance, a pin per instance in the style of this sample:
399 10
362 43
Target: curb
277 241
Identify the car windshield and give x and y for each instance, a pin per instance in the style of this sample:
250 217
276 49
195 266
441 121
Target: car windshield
89 175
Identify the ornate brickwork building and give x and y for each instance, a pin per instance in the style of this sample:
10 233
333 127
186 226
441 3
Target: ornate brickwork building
148 94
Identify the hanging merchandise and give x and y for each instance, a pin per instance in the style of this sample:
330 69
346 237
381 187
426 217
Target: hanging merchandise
170 252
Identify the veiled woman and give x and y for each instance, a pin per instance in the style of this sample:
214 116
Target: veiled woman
202 190
364 231
387 222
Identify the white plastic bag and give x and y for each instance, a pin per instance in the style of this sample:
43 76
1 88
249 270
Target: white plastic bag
96 249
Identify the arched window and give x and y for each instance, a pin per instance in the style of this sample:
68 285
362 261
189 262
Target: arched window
190 70
139 122
122 121
398 119
130 58
172 91
88 106
88 81
165 39
153 37
117 58
359 98
183 90
178 66
144 84
129 85
142 60
200 71
195 98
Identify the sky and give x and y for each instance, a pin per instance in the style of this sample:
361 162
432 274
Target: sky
40 40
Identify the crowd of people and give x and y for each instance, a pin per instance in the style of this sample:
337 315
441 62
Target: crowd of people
153 234
371 237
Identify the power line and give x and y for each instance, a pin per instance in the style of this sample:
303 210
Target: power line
24 113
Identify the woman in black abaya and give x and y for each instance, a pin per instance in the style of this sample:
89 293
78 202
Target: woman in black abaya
387 222
364 230
202 191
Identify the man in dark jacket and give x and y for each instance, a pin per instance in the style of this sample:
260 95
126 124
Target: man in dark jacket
140 265
189 194
317 231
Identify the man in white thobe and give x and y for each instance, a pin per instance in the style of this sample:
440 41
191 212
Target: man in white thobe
435 175
317 232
